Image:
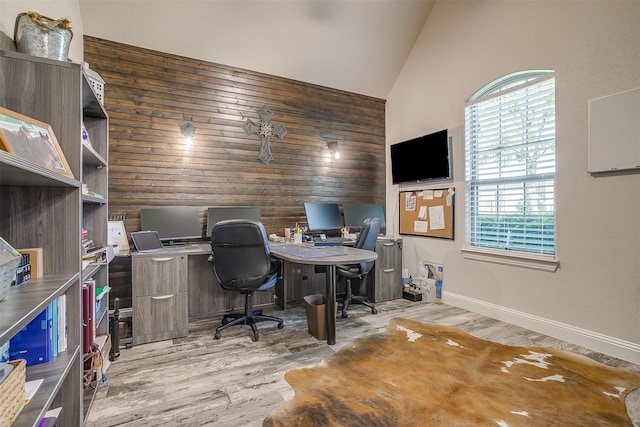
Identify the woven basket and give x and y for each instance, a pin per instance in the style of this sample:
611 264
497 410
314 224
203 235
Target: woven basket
12 392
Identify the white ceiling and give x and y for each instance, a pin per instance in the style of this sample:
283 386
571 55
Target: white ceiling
355 45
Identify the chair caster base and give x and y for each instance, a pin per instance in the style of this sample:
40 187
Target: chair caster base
357 301
249 322
227 318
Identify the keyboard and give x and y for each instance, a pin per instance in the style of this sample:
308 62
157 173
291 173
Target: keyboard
334 241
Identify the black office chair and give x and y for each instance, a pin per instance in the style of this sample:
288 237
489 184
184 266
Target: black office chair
242 263
357 273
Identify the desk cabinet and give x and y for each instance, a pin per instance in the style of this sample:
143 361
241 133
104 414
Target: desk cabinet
207 297
297 281
387 272
384 282
159 293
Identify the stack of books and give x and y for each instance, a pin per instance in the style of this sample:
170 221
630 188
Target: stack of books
23 272
92 253
87 192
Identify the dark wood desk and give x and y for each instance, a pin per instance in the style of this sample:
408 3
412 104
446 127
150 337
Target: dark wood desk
343 255
189 290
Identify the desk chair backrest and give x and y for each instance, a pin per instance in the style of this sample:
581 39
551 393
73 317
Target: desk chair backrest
241 254
367 240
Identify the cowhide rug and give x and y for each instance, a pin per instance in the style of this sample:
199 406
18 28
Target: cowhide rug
417 374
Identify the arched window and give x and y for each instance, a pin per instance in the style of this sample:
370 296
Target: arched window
510 164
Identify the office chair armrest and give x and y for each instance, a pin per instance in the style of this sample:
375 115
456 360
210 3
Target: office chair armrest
353 269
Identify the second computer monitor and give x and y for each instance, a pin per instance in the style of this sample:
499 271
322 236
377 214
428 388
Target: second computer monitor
323 217
356 213
172 223
221 213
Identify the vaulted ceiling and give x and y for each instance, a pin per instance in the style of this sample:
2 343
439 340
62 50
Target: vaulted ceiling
355 45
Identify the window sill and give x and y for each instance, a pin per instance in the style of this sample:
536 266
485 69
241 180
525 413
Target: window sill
514 259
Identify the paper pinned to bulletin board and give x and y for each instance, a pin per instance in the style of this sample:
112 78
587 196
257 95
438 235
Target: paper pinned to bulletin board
427 213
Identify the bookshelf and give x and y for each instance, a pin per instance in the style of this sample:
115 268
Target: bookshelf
41 208
95 150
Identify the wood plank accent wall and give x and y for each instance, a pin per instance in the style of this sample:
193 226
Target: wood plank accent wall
149 94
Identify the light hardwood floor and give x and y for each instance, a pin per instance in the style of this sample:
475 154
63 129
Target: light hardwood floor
198 381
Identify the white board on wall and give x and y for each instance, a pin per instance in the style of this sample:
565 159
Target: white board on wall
614 132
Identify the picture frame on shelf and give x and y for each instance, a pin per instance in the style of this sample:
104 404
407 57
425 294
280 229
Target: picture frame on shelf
117 237
32 140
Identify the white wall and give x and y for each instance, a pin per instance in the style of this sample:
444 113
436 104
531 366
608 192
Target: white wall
594 46
54 9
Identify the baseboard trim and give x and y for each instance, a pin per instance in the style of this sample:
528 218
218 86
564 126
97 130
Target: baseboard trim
601 343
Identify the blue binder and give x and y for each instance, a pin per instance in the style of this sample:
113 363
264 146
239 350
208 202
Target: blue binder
34 343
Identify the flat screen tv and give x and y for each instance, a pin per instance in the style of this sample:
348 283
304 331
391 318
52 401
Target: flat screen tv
424 158
172 223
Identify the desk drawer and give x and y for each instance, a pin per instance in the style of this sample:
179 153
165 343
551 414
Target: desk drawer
160 317
387 273
159 275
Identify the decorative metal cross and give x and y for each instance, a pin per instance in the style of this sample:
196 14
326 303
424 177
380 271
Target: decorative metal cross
266 130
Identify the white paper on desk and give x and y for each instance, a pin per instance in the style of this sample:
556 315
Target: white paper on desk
422 214
30 388
420 226
436 216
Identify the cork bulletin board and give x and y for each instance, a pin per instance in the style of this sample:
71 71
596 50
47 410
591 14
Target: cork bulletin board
427 213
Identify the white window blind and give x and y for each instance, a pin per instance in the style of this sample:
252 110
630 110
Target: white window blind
510 165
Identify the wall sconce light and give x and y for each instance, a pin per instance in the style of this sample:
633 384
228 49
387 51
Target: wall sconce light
188 130
334 151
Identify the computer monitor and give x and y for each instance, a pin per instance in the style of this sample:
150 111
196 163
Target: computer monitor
356 213
323 217
221 213
172 223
